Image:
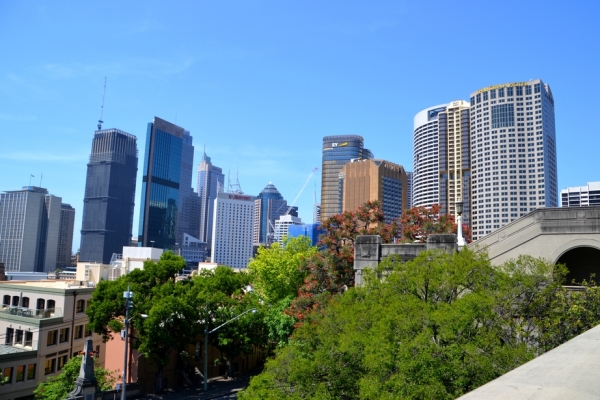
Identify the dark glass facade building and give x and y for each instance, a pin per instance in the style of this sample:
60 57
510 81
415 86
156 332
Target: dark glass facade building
109 195
337 151
268 207
160 199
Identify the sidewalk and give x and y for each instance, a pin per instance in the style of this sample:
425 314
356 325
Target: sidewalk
218 388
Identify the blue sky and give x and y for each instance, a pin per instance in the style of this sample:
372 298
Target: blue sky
261 82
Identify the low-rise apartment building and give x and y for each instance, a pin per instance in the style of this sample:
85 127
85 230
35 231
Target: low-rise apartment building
42 325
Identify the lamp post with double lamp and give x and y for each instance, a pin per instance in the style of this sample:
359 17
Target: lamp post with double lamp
128 295
460 241
206 333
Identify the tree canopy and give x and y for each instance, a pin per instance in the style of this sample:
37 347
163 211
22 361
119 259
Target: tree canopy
435 327
59 386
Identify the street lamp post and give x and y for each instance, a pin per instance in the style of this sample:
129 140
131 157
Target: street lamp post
460 240
206 333
128 295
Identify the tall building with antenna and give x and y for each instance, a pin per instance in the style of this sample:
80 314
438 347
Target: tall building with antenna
109 196
211 180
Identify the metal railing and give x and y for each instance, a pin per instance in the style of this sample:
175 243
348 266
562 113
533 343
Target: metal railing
31 312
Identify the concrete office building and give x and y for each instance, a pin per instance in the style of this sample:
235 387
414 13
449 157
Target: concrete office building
409 190
65 236
29 229
369 180
232 229
513 153
109 197
169 207
211 180
426 177
282 226
268 207
441 158
455 159
337 151
581 196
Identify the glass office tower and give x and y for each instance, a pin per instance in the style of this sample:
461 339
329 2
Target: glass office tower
109 195
160 200
337 151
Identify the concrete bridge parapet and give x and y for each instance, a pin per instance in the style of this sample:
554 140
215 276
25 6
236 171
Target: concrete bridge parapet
369 250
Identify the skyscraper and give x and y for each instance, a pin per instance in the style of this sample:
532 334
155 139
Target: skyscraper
455 159
109 195
211 180
441 158
337 151
268 207
409 190
167 209
513 146
370 180
29 229
65 236
426 182
232 229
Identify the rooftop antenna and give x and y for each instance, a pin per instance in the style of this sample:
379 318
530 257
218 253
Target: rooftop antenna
102 107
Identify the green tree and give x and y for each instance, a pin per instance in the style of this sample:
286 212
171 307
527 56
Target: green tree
221 295
275 271
169 305
420 222
435 327
58 387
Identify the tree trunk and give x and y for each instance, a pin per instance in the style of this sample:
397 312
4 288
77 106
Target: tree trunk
159 380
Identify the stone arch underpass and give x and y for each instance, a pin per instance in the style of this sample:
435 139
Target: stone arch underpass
567 235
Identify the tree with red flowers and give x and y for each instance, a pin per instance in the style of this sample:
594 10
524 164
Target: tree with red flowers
420 222
331 270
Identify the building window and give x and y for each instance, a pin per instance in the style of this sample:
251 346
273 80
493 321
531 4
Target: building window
78 331
52 335
6 300
31 372
88 330
62 360
80 306
509 91
20 373
19 337
501 92
519 90
8 371
28 339
64 335
527 89
8 340
49 366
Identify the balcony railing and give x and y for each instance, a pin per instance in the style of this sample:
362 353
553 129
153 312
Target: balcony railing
32 312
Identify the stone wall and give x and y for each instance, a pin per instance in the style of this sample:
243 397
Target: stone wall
369 251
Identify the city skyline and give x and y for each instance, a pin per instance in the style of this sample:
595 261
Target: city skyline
260 85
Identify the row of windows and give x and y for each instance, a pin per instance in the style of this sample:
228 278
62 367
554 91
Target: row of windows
21 373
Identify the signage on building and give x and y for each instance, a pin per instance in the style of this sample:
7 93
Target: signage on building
238 197
501 86
339 144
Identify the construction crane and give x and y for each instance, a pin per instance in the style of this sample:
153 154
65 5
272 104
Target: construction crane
102 107
301 190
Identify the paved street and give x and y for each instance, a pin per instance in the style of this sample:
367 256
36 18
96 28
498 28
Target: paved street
218 388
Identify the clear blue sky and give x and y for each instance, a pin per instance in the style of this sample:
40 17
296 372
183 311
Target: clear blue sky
261 82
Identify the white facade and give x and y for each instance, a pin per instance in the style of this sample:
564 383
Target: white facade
282 226
581 196
43 325
232 229
425 179
513 153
